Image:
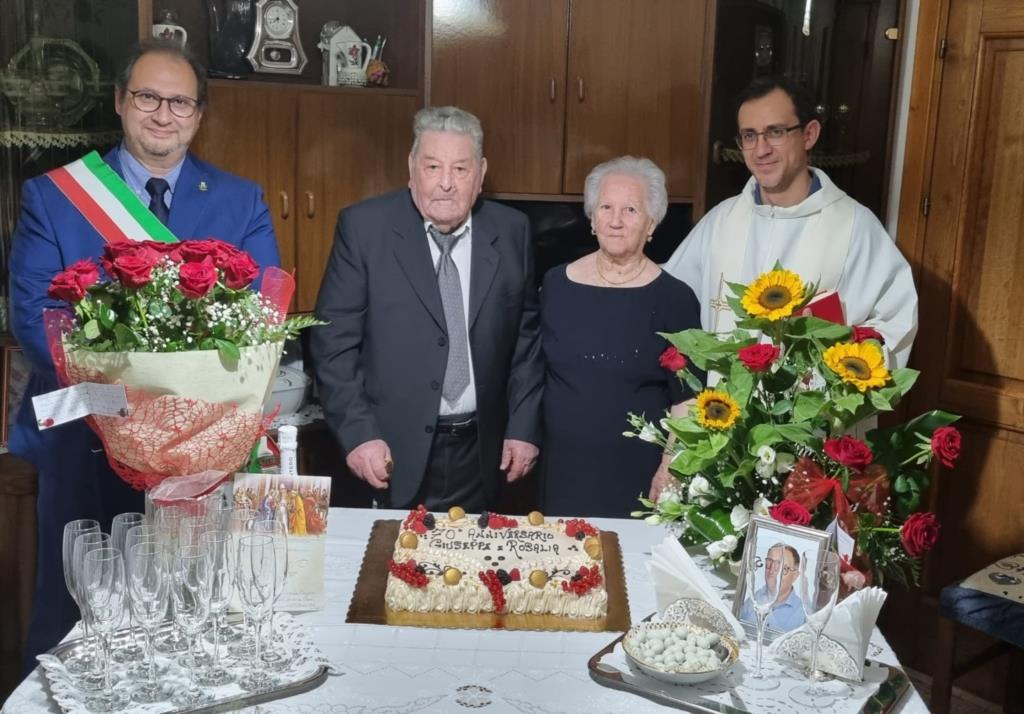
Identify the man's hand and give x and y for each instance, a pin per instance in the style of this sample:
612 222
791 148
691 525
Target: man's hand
517 458
662 480
371 461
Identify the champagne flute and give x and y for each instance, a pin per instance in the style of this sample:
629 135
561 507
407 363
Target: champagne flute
103 590
84 661
167 522
92 678
255 578
240 522
220 547
122 523
191 588
190 528
148 585
819 588
764 576
274 656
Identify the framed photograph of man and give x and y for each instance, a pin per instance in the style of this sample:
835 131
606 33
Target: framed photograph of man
783 551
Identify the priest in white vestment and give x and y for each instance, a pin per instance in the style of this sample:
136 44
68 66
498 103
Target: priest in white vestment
794 215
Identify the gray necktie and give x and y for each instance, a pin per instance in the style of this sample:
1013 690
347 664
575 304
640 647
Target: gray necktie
456 375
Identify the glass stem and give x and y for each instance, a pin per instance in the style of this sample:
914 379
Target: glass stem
150 656
761 622
814 661
217 621
108 689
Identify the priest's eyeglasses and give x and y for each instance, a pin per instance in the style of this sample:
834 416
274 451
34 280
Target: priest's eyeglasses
774 135
149 102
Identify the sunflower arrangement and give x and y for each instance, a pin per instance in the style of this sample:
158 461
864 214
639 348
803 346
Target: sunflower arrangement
774 435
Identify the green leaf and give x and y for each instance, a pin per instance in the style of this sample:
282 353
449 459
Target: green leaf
228 350
849 402
692 382
881 401
801 432
106 316
740 384
904 378
811 327
124 337
782 406
763 434
807 405
91 329
713 523
901 484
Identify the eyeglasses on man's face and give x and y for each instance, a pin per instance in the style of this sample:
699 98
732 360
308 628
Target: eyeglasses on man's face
774 563
147 101
774 135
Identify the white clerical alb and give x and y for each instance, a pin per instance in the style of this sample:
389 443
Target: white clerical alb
828 238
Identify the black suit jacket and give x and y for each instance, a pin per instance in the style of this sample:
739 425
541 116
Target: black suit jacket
380 361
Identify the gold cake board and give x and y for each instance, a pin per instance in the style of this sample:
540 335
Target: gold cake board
368 606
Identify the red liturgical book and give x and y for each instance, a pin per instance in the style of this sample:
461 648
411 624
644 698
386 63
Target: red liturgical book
827 306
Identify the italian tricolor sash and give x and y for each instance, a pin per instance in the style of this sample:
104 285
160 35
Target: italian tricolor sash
106 201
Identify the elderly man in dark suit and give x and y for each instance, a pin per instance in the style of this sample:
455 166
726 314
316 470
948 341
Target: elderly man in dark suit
429 369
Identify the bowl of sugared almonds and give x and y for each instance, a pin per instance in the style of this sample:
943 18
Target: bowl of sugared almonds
678 653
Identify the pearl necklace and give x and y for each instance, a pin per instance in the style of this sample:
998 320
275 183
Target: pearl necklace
642 266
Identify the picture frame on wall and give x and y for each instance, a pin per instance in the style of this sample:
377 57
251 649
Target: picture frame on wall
16 370
779 546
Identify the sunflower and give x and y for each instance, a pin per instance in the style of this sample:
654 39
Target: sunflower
773 295
716 410
861 364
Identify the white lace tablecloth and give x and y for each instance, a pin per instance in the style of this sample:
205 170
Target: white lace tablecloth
394 670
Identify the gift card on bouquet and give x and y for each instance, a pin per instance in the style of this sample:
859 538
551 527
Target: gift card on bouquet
294 510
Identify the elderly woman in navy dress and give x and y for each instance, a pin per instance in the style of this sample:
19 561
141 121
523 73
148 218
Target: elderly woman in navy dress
599 319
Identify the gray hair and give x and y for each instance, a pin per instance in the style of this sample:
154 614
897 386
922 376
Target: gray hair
165 47
644 170
450 119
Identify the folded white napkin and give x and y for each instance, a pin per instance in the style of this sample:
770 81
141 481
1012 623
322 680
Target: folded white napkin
848 630
676 575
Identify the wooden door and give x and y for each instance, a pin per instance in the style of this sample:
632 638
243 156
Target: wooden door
504 60
352 144
249 130
971 255
635 80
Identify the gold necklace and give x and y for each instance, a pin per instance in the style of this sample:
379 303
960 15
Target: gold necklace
642 266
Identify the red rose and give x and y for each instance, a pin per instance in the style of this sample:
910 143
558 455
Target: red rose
139 252
790 513
946 445
196 279
758 358
919 533
672 360
65 286
85 271
240 270
863 332
196 251
849 452
133 270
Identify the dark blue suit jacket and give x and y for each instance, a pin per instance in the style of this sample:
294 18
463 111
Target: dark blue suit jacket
74 478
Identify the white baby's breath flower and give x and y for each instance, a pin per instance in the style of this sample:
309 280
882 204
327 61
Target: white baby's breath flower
739 517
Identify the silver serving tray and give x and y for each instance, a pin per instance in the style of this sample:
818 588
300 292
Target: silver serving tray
229 704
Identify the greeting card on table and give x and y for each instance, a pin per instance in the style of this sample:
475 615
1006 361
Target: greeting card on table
302 503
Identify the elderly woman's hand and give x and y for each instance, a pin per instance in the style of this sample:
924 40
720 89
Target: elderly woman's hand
662 480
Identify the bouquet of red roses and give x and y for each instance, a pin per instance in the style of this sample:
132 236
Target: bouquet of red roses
195 347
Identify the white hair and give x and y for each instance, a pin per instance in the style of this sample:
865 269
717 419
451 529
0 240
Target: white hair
644 170
449 119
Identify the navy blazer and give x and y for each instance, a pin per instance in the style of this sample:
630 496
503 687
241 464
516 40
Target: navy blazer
380 360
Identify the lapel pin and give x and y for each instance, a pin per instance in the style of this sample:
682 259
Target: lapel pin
202 186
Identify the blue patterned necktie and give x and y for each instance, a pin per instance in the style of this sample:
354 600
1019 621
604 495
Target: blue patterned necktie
456 374
156 188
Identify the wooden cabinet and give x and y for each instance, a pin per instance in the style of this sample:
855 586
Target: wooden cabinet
561 85
314 150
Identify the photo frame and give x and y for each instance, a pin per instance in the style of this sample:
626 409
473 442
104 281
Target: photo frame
788 545
16 371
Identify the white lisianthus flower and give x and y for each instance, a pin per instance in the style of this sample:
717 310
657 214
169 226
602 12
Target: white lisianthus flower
739 517
653 520
784 463
720 548
764 471
766 454
761 506
699 491
649 433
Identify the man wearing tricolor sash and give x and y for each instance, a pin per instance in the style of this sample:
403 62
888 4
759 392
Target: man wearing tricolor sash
147 188
794 215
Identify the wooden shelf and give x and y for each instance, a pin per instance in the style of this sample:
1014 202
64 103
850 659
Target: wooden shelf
306 86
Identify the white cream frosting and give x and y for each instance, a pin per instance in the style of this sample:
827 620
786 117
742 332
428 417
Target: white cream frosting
462 544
